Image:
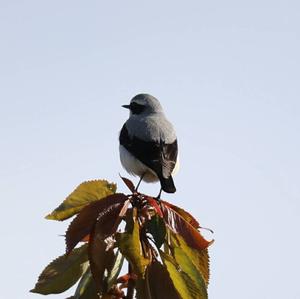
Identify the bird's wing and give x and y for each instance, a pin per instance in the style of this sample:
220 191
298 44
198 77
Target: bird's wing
158 156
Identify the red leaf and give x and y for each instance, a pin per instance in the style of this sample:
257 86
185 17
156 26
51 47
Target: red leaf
126 277
100 259
178 224
153 203
84 222
129 184
186 215
86 238
100 256
125 208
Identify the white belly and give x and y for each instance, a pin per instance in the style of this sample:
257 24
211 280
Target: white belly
137 168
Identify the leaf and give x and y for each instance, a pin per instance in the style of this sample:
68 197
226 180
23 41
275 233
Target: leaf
129 244
84 194
106 210
100 258
142 288
86 288
108 296
86 238
156 227
189 268
125 208
179 225
151 287
129 184
185 286
153 203
116 269
199 258
62 273
184 214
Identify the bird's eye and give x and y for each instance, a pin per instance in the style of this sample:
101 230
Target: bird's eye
136 108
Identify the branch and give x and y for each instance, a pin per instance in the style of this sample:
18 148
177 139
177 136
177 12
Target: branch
130 289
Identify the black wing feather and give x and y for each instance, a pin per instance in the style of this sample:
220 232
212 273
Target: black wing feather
158 156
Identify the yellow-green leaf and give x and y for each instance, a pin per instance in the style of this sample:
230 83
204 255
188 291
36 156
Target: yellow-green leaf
86 288
187 266
199 258
62 273
184 284
129 244
84 194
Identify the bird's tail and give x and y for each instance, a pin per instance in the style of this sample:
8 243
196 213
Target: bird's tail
167 184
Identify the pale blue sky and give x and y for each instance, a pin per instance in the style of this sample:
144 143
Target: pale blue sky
227 74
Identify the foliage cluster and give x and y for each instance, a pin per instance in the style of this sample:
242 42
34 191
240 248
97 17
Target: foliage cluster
167 256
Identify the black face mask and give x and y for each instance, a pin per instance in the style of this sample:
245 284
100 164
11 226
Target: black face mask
135 108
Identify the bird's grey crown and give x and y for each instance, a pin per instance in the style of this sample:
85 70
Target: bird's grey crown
150 102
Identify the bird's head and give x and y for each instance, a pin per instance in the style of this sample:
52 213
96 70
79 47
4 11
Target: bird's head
143 104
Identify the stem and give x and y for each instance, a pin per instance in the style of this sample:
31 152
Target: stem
167 243
130 289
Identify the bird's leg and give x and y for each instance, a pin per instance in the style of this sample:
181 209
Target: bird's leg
159 194
141 178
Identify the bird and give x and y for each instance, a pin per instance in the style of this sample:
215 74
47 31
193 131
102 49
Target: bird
148 143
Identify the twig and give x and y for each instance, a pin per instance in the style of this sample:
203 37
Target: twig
130 289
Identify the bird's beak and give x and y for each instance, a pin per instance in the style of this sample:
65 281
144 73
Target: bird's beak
126 106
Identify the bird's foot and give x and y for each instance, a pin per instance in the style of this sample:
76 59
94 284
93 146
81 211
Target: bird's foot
137 186
157 198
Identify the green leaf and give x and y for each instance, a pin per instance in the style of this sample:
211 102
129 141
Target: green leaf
84 194
62 273
86 288
156 227
129 244
184 284
199 258
116 269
